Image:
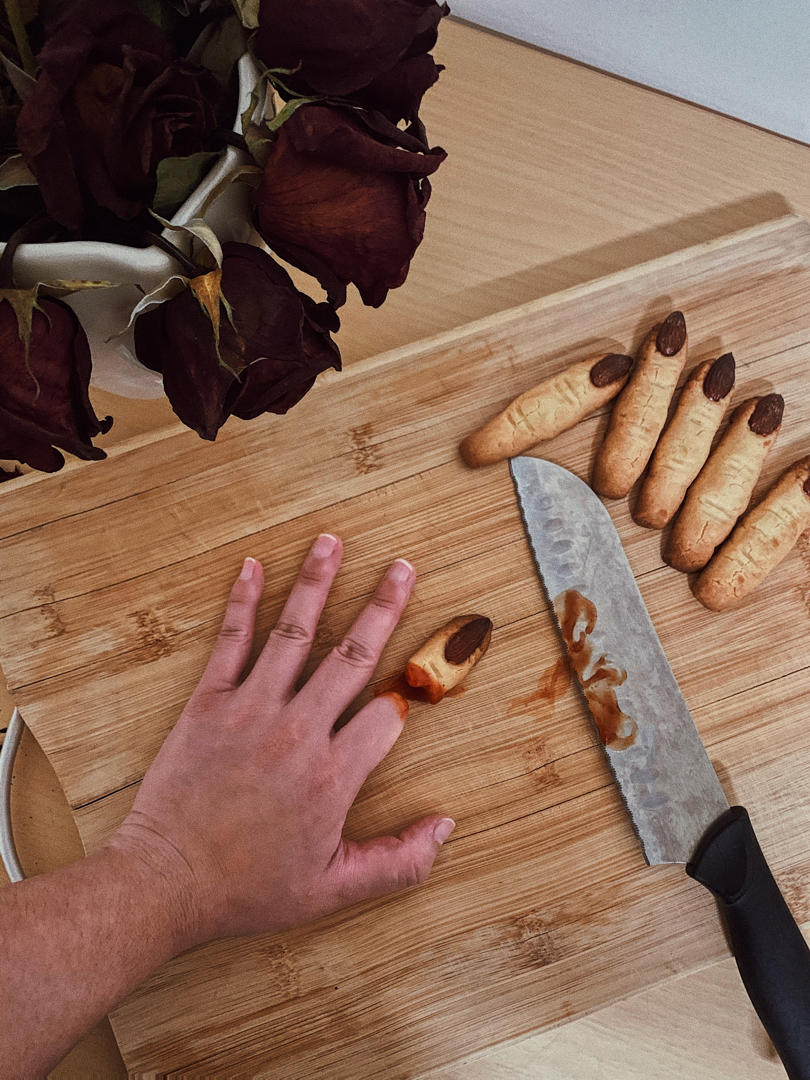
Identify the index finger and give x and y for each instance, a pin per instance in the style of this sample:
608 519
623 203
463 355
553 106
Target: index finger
348 667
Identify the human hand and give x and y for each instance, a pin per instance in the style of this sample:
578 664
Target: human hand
245 803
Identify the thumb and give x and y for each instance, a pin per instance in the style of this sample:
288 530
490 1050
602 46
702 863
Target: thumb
388 863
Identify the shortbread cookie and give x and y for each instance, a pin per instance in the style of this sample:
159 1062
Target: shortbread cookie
759 542
548 409
685 444
725 484
640 411
449 655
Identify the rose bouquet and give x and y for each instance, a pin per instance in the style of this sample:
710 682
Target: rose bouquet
113 113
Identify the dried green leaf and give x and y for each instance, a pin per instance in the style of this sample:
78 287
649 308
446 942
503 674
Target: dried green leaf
177 177
196 229
64 286
199 231
286 112
248 12
273 75
15 173
245 173
208 290
22 82
219 47
256 95
271 72
29 10
165 291
17 14
156 12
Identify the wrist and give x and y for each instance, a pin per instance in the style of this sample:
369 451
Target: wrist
166 881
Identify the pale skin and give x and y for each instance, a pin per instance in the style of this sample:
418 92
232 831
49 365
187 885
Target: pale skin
237 828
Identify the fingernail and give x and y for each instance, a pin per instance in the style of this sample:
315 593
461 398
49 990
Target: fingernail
248 566
324 545
400 571
443 830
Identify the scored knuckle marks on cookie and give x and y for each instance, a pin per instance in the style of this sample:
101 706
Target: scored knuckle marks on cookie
698 488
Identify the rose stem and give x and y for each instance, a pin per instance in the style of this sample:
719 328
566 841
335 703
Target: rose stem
19 236
193 269
232 138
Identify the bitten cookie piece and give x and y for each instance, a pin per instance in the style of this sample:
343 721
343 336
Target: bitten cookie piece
759 542
548 409
640 411
449 655
685 444
725 484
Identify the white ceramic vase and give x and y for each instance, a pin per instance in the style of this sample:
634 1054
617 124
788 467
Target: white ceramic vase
135 271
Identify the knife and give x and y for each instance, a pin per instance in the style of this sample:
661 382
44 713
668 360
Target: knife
673 795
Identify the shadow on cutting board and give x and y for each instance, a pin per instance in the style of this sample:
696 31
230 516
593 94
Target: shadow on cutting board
576 269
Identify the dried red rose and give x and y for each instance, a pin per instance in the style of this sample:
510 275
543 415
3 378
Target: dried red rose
344 200
44 401
110 102
360 49
271 342
398 92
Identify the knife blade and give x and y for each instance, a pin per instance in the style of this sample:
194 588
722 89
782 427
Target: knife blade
669 786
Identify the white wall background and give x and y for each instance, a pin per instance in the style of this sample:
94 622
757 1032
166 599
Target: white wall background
747 58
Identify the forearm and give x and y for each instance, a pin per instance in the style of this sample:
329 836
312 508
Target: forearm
73 944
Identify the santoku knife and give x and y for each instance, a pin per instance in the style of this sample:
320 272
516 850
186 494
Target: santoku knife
671 790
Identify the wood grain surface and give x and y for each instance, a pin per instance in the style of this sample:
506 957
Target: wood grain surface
557 174
541 908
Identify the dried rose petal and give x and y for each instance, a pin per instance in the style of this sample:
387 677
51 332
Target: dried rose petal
44 400
398 92
341 48
271 348
343 198
110 102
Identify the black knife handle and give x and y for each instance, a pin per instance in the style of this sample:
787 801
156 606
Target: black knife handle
771 953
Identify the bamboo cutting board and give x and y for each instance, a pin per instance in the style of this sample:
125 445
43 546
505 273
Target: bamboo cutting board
540 907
